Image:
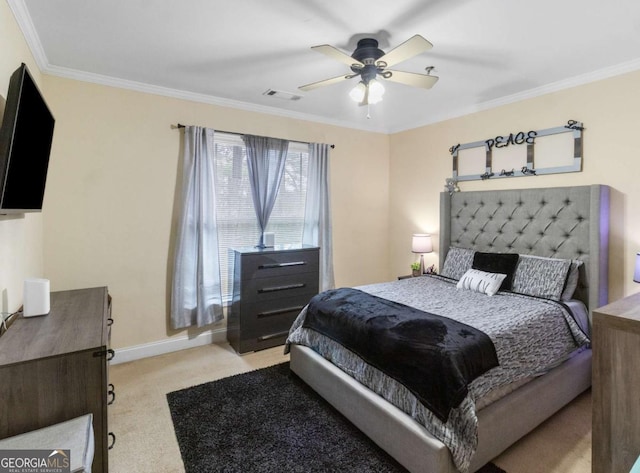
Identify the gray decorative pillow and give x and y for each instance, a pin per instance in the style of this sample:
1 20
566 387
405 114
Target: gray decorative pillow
572 280
481 281
457 262
541 277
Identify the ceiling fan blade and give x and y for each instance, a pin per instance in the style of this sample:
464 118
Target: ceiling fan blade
411 78
336 54
411 47
322 83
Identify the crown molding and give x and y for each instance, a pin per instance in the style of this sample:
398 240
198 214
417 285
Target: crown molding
594 76
564 84
23 18
195 97
21 13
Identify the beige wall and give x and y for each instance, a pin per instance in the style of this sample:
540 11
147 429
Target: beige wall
110 201
610 111
20 235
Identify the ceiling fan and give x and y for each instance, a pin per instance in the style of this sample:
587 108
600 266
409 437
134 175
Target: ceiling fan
370 63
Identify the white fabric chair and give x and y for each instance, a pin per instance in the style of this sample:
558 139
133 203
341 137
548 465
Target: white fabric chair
75 435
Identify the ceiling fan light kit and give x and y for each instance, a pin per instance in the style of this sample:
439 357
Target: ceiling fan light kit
373 91
370 63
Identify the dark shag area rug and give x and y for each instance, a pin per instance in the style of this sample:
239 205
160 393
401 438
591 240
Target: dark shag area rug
269 420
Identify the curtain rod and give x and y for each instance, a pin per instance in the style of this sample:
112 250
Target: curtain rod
180 125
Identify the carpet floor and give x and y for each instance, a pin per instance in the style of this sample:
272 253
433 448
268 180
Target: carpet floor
269 420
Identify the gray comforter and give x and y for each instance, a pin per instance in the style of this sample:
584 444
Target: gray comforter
530 335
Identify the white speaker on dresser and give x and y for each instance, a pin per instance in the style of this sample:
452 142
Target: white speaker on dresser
269 239
36 297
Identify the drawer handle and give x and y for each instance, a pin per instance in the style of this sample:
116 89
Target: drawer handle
109 353
109 322
281 288
272 335
113 440
281 265
269 313
112 393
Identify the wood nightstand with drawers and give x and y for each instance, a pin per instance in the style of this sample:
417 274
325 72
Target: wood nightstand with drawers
615 338
270 288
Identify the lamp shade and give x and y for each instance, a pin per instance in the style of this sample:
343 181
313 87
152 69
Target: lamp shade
376 91
636 272
357 93
421 243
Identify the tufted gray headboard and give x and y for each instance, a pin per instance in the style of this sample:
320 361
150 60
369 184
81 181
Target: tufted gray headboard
558 222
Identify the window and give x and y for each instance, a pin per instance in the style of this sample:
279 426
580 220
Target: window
237 224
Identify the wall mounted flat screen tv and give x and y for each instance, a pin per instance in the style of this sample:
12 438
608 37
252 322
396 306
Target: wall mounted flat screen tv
25 144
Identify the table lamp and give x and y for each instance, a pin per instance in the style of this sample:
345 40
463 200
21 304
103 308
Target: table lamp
421 243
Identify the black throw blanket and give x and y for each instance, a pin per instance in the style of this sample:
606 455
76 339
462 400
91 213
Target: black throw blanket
434 357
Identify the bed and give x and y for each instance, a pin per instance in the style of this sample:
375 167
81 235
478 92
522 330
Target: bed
565 223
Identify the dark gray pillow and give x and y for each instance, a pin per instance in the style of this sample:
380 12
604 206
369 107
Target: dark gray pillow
501 263
572 280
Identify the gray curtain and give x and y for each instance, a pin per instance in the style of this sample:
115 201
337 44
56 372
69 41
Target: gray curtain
265 160
317 215
196 292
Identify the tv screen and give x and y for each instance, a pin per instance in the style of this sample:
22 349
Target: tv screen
25 144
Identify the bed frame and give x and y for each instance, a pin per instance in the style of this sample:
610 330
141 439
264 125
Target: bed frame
562 222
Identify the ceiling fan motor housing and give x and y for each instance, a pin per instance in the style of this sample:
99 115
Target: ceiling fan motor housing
367 52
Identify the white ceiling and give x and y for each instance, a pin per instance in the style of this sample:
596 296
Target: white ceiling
486 52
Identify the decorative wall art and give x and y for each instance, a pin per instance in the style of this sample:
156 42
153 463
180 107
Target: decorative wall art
523 153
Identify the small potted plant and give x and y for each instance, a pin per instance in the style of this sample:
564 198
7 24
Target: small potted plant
415 269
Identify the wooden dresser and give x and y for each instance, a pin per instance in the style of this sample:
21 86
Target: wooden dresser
270 287
616 386
55 368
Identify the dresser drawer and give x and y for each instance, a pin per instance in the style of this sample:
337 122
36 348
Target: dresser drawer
271 309
261 342
254 326
279 287
277 264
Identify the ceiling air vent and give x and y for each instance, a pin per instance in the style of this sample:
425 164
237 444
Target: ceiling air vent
282 95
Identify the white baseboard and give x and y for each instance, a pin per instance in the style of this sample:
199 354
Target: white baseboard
146 350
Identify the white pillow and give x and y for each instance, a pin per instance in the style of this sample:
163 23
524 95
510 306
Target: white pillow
481 281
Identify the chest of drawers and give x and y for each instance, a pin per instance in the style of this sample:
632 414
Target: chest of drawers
55 368
270 287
